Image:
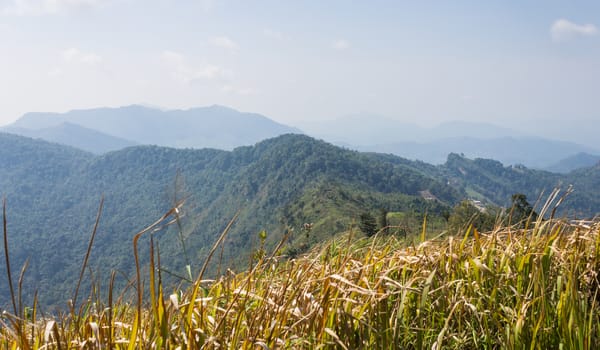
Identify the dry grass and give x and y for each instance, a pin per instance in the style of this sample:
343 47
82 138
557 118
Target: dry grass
535 288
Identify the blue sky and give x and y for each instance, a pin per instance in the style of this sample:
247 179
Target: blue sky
523 63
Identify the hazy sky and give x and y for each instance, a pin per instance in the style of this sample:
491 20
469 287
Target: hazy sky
420 61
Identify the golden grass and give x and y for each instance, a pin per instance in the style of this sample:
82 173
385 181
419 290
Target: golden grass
514 289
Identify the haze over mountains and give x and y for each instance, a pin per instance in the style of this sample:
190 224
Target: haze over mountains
205 127
368 129
374 133
74 135
107 129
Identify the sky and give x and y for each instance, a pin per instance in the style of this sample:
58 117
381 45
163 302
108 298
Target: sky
522 64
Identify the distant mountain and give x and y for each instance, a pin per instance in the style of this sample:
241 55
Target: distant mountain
532 152
372 129
374 133
206 127
74 135
577 161
362 129
472 129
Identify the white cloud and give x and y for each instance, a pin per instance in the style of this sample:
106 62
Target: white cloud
78 56
45 7
182 71
224 42
563 29
340 44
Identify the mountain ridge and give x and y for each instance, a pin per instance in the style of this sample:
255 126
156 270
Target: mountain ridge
277 185
508 150
223 127
574 162
53 192
200 127
375 133
74 135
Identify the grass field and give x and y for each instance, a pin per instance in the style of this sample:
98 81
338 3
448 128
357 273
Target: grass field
509 288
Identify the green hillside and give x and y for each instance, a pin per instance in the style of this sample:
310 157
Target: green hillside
490 181
53 193
278 185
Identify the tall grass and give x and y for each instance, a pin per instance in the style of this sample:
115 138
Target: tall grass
534 288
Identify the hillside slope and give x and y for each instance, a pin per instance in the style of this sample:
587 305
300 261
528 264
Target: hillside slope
277 185
52 210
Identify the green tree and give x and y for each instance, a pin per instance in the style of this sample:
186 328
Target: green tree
368 225
522 212
465 214
383 220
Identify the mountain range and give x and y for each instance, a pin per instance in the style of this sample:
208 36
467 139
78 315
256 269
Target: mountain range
532 152
576 161
70 134
374 133
102 130
277 185
365 129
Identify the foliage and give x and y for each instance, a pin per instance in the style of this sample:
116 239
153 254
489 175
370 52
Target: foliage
368 225
521 211
465 215
489 180
382 220
277 185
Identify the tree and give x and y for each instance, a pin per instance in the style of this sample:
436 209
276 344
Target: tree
465 214
521 211
368 225
383 221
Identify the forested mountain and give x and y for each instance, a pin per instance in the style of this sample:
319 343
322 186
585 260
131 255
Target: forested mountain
215 127
277 185
490 181
53 193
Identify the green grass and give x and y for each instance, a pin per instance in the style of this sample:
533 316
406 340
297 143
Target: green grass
509 288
